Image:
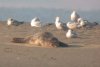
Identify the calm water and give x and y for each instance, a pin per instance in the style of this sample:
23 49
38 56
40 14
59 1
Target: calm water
46 15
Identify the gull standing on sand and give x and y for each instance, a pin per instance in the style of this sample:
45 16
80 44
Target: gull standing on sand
86 23
71 34
81 22
59 24
11 21
35 22
74 16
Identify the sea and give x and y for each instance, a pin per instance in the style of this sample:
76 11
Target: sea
46 15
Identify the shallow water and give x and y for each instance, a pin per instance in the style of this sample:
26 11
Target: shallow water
45 15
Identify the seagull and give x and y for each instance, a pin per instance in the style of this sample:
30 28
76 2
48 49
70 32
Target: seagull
81 22
11 21
71 25
59 24
90 24
71 34
74 16
35 22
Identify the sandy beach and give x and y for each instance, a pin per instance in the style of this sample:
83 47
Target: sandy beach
81 52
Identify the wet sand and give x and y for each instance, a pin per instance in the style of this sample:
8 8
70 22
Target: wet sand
82 51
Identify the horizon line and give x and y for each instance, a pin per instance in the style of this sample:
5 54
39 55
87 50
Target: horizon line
69 9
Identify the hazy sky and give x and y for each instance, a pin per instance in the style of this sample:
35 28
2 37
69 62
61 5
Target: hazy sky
66 4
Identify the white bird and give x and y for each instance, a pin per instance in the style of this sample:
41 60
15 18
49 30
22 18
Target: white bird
59 24
74 16
36 22
71 25
84 23
81 22
71 34
11 21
